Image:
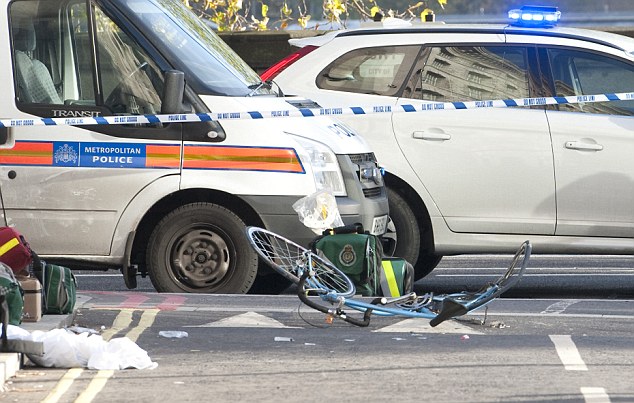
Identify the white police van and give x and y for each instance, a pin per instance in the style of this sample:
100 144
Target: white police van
171 200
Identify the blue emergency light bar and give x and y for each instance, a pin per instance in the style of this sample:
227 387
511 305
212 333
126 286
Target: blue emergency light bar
535 16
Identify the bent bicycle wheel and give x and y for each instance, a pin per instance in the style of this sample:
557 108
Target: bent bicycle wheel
292 260
507 280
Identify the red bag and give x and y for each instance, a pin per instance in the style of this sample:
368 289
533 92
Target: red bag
15 252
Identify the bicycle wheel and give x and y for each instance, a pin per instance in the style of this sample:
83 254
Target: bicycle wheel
292 260
513 273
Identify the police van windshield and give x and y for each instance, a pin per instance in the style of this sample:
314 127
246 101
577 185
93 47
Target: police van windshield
211 67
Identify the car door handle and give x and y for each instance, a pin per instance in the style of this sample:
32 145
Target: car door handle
431 135
579 145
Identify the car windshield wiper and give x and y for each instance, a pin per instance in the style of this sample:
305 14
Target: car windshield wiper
255 87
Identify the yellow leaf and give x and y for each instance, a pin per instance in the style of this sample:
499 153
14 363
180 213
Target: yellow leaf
303 21
265 9
442 3
374 10
286 10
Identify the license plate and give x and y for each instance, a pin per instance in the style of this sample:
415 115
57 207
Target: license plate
379 225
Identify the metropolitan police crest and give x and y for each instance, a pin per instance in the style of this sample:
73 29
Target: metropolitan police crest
66 154
347 256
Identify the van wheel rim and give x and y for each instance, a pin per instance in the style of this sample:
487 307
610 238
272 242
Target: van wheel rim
200 258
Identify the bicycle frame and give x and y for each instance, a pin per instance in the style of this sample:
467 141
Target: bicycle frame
436 308
316 275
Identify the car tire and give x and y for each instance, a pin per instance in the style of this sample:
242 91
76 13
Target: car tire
403 238
201 248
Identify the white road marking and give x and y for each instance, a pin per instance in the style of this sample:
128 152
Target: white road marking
559 307
585 274
595 395
419 325
248 319
568 353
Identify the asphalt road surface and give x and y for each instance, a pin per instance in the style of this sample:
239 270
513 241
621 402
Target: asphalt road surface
572 343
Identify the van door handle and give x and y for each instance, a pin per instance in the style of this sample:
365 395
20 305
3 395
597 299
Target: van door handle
431 135
580 145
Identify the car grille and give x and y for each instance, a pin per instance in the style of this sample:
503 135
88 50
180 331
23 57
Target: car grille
361 158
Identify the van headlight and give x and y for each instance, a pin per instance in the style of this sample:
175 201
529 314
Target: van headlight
326 170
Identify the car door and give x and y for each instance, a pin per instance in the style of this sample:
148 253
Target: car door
489 170
593 143
65 187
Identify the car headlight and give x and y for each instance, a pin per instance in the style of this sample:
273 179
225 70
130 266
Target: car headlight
325 167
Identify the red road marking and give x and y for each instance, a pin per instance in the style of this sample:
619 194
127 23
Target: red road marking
133 301
171 303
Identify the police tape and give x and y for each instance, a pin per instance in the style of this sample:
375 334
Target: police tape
312 112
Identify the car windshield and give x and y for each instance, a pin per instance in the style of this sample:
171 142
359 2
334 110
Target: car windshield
211 67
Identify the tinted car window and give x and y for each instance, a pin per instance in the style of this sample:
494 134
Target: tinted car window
469 73
379 70
584 73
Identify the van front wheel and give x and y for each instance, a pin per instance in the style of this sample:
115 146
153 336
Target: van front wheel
201 248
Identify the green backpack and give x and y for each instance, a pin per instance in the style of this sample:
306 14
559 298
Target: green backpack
357 254
14 295
60 289
396 277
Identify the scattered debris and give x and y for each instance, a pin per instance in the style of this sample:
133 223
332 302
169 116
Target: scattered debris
173 334
465 337
286 339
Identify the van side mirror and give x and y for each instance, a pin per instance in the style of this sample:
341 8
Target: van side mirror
173 90
173 94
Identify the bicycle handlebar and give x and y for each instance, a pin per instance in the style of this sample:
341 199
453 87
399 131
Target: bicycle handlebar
450 308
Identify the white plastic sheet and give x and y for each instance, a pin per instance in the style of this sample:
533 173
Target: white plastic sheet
65 349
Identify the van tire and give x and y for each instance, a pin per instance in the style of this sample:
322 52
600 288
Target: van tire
404 232
201 248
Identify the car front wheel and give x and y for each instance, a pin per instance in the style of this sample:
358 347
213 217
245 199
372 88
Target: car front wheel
403 237
201 248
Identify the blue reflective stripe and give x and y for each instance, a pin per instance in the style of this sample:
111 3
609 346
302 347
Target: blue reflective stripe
561 100
204 117
49 122
357 110
408 108
612 97
510 102
459 105
255 115
306 112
